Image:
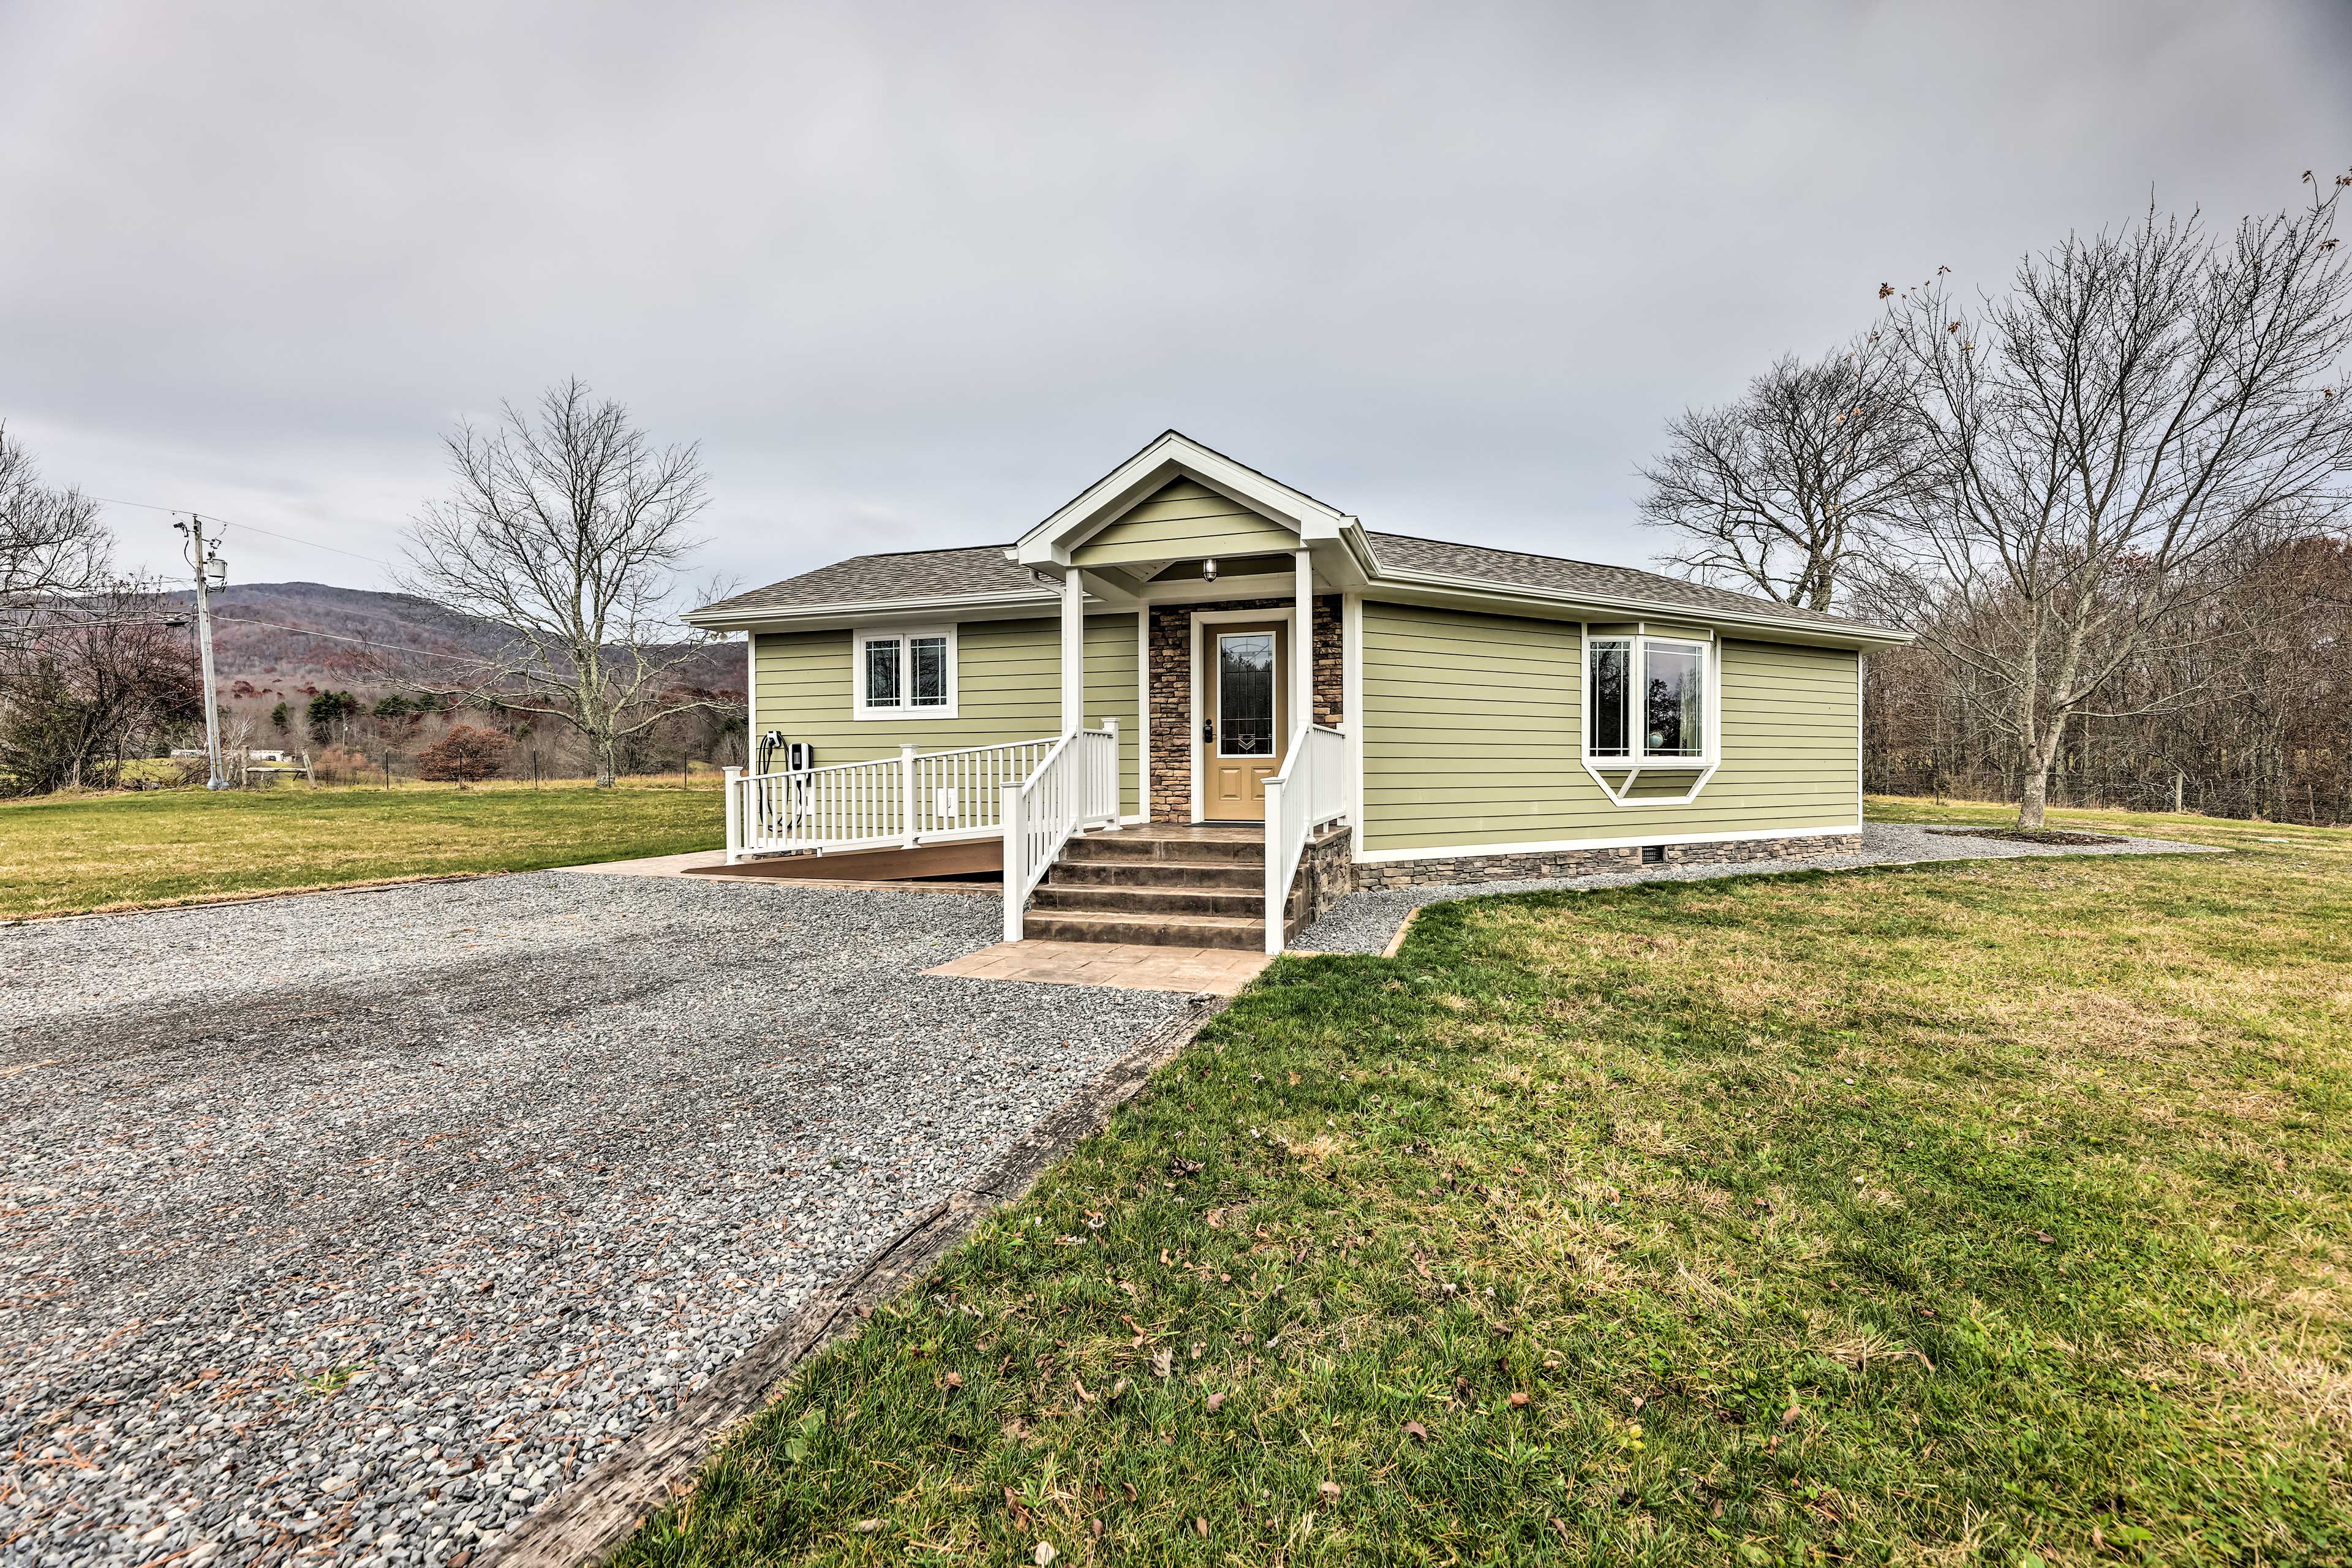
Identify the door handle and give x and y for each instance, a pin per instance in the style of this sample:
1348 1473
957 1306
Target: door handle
1208 728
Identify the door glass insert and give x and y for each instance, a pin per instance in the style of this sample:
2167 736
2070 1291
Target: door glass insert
1246 694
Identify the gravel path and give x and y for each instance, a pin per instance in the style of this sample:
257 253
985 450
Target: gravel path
1365 921
349 1227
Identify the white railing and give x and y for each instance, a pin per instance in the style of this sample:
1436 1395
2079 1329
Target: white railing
1073 789
915 797
1308 794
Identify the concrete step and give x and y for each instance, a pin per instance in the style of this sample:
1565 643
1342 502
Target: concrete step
1135 873
1150 930
1139 844
1160 899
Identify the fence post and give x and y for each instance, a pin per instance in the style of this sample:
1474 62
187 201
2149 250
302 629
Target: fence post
907 794
1277 891
1111 771
1015 881
734 815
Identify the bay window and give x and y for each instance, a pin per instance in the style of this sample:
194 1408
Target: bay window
904 673
1646 701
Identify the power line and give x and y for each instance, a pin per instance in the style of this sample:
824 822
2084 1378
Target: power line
251 528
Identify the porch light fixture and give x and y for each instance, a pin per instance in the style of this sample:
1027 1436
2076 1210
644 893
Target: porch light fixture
1209 570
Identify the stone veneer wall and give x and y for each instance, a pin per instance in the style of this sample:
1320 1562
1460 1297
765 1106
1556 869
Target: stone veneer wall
1590 862
1324 876
1170 648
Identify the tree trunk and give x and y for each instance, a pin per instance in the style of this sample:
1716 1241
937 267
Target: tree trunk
607 766
2034 800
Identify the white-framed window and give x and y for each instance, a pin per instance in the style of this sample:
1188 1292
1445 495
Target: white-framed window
903 672
1649 701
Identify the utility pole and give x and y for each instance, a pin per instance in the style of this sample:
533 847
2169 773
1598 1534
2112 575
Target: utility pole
211 572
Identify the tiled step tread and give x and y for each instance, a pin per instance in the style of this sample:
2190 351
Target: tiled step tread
1156 874
1130 847
1162 900
1153 930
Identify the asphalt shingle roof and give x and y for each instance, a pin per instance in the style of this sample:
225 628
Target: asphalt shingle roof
880 579
983 569
1511 568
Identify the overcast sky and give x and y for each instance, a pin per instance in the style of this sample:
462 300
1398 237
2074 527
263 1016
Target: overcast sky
914 275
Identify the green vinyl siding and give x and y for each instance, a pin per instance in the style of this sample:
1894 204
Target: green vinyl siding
1472 735
1181 521
1008 687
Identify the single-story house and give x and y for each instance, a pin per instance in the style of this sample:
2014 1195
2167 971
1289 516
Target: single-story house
1195 698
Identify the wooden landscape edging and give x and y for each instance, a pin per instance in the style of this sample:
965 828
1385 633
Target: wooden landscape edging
584 1521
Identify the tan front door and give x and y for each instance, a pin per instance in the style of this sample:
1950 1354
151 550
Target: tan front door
1245 727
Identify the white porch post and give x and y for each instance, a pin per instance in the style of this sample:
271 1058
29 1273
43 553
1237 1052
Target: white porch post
734 814
907 794
1302 649
1074 652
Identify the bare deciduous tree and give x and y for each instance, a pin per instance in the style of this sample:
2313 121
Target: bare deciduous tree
108 668
52 544
1778 492
2111 439
569 530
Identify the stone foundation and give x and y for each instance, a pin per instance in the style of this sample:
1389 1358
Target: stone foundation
1324 876
1553 863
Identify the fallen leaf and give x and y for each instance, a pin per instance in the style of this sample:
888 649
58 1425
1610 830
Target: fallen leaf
954 1380
1044 1553
1201 1526
1416 1431
1217 1219
2044 1237
1216 1401
1330 1490
1162 1361
1518 1400
1130 1487
1788 1416
866 1526
1080 1384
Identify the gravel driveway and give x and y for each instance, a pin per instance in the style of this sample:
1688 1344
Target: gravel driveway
1363 923
350 1227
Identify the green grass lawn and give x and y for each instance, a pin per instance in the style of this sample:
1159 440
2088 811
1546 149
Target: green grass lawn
71 854
1992 1214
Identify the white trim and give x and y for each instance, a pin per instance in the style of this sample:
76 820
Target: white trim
1352 711
1163 459
1192 710
750 700
1556 846
1073 659
1143 712
860 636
1302 637
1858 657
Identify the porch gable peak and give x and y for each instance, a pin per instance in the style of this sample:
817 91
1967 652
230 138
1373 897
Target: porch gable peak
1171 456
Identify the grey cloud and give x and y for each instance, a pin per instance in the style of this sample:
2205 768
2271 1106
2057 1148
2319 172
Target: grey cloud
913 274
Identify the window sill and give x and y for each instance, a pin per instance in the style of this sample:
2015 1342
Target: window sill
1650 764
867 715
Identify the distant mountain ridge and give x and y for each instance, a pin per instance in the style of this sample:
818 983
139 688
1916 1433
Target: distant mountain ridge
261 661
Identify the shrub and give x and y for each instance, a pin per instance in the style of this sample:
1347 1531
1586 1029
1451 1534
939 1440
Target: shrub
466 755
